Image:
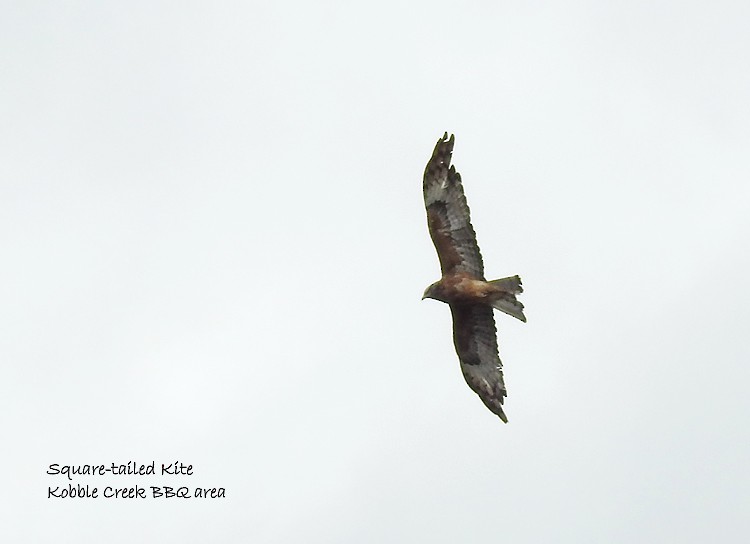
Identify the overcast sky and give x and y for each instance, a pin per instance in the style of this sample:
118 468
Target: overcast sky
214 247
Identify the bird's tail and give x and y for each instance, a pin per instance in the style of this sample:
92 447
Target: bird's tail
505 297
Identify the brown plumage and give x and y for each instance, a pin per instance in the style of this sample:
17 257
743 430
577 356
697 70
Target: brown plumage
471 298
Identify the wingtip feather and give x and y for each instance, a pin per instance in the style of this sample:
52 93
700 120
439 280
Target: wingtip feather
497 409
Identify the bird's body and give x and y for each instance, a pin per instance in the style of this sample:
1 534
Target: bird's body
463 287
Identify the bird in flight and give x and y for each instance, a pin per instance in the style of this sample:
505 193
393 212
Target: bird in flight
471 298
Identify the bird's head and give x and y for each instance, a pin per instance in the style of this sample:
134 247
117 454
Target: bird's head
432 291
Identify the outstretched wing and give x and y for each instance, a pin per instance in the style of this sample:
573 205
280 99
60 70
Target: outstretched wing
448 214
475 337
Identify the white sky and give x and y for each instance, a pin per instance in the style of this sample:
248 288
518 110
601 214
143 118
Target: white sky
214 248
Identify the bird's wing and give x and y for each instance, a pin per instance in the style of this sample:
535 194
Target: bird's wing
475 337
448 214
